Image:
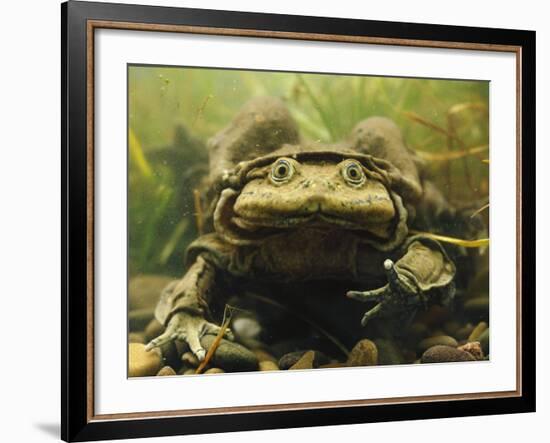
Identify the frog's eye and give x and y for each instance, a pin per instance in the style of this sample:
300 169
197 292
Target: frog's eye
282 170
353 173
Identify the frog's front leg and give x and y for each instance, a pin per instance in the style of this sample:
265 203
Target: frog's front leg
183 306
422 276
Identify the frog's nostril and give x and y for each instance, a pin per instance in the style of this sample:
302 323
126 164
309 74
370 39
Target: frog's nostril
329 185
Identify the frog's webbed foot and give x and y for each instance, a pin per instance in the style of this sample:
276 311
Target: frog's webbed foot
190 328
398 297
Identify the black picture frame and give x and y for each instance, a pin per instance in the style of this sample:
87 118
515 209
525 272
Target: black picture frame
77 423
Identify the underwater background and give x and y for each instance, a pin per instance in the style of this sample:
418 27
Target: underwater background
172 111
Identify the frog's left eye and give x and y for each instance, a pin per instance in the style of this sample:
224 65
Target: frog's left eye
353 173
282 170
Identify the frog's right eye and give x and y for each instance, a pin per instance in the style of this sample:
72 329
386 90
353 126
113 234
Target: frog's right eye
282 170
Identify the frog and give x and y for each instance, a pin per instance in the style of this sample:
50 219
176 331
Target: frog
280 208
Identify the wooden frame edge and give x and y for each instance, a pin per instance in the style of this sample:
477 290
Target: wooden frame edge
92 25
304 406
339 38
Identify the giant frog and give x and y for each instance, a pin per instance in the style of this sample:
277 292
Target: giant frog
289 211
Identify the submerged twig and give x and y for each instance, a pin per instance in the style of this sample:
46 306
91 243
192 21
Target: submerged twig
450 147
421 120
137 154
479 210
459 107
198 211
455 241
217 340
453 155
172 242
200 111
467 173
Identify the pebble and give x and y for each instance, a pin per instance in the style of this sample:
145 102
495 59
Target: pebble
281 348
444 354
335 364
484 341
139 319
165 371
290 359
183 369
268 365
464 332
364 353
388 352
473 348
262 355
190 359
153 330
246 328
444 340
230 356
214 371
305 362
136 337
478 330
287 360
191 371
142 363
144 291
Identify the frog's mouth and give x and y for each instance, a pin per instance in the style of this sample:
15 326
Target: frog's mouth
318 220
240 230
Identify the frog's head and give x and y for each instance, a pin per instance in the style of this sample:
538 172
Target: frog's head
266 180
313 188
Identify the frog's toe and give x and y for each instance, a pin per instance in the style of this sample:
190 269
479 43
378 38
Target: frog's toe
229 334
165 337
195 345
368 296
211 328
369 315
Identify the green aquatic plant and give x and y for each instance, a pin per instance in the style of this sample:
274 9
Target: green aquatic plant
173 111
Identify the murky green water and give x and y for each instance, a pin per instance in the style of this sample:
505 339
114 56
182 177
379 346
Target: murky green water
173 111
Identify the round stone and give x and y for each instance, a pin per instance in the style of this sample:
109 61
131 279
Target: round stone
445 354
444 340
214 371
230 356
364 353
143 363
478 330
166 371
305 362
268 365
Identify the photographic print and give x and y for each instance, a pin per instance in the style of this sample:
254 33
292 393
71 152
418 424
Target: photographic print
296 221
276 221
